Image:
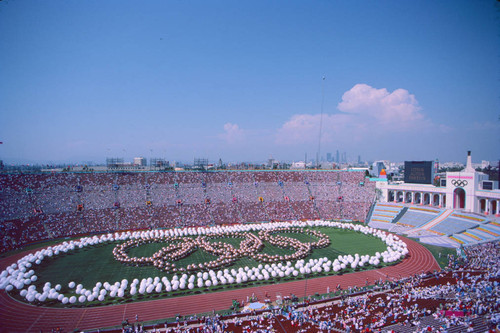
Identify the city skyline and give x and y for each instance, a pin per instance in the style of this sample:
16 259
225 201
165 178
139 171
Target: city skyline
82 81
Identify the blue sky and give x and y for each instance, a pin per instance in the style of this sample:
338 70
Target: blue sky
243 80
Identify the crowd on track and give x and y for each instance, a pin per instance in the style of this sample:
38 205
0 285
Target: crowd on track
464 297
37 207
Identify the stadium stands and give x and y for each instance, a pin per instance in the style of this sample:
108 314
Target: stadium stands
417 218
386 212
35 207
452 225
435 226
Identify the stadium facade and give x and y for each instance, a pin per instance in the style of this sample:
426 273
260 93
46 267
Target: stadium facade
467 190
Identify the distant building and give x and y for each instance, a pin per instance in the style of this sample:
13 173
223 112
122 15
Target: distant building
158 163
200 163
140 161
272 163
298 165
114 163
485 164
377 168
327 165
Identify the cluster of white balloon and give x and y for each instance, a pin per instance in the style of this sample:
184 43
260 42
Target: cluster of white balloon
21 277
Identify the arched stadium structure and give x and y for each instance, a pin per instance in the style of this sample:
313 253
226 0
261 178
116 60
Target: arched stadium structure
459 209
467 190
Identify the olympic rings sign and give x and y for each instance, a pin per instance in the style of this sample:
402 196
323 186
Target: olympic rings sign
250 246
459 183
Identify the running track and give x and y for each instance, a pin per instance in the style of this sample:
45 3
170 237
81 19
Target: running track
20 317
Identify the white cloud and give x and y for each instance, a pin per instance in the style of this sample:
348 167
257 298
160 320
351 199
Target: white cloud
399 107
304 128
232 133
367 112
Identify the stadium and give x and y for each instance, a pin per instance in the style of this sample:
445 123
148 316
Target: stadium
246 251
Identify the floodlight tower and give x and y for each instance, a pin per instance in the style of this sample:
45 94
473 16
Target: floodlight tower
320 121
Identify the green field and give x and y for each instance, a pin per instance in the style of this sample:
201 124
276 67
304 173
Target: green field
97 264
440 253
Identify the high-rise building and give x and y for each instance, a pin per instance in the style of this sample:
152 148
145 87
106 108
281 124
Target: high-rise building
329 157
338 157
377 168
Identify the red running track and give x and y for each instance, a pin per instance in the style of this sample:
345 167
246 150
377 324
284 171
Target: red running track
20 317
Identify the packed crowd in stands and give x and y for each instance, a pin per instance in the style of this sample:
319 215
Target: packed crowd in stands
464 297
35 207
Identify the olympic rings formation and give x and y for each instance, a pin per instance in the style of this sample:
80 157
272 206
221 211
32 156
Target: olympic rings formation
303 249
459 182
250 246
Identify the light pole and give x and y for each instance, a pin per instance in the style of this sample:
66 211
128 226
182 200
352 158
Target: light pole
150 158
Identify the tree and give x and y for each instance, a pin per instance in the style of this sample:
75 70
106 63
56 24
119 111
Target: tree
491 172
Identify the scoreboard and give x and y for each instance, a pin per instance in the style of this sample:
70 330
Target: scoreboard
418 172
